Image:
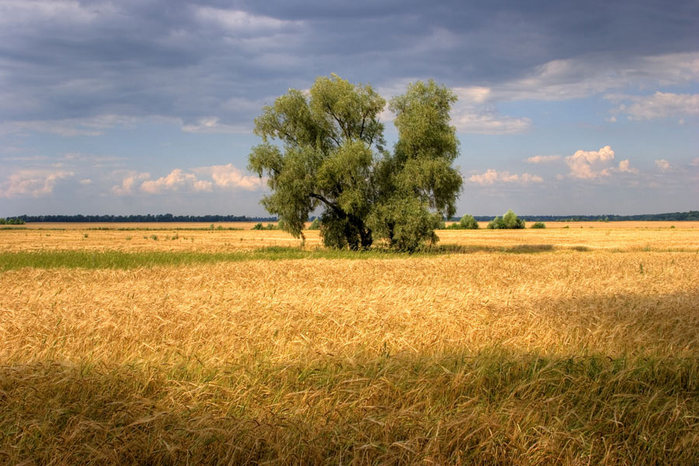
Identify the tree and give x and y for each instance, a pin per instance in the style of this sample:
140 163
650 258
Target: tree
325 150
508 221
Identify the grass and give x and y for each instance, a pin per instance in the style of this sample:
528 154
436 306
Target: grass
127 260
491 352
130 260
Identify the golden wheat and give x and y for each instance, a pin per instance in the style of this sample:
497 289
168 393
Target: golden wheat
560 356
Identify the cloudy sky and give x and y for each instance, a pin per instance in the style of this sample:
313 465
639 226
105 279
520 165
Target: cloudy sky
138 106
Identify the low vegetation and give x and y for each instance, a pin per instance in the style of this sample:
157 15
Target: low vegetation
538 225
467 222
11 221
509 221
269 226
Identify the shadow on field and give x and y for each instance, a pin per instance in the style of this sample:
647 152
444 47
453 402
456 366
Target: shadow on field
630 323
451 407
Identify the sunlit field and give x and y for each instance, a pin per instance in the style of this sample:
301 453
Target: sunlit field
162 343
226 237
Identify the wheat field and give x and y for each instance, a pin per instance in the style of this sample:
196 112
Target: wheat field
569 345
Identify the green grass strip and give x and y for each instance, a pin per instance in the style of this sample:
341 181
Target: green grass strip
129 260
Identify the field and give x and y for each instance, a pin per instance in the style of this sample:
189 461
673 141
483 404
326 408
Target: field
152 343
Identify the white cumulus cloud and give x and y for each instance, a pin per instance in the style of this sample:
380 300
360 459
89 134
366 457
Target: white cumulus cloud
591 164
129 183
201 179
32 182
229 176
176 180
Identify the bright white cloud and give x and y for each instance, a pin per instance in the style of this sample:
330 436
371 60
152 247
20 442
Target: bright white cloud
32 182
201 179
129 183
230 177
590 164
658 105
491 176
663 165
176 180
543 159
594 164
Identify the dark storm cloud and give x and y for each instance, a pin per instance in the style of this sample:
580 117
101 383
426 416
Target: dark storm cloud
195 60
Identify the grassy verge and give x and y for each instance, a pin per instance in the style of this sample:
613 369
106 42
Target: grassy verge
494 406
127 260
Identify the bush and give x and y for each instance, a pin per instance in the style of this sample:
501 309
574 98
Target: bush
269 226
467 222
509 221
539 225
11 221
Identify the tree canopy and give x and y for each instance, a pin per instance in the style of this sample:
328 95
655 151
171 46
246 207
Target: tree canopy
509 221
325 150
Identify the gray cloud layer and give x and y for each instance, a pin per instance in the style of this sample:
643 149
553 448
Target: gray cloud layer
212 64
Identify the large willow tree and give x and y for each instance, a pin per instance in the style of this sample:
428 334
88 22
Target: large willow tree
325 150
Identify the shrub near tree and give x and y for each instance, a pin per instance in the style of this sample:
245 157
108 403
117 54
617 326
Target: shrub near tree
467 222
509 221
325 150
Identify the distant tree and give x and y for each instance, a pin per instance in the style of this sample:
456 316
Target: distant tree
467 222
11 221
509 221
325 150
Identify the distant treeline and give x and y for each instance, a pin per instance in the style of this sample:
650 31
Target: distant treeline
692 215
143 218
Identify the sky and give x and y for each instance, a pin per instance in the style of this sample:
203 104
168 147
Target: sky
147 106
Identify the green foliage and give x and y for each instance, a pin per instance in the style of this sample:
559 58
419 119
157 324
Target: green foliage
539 225
315 224
509 221
325 150
11 221
467 222
269 226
